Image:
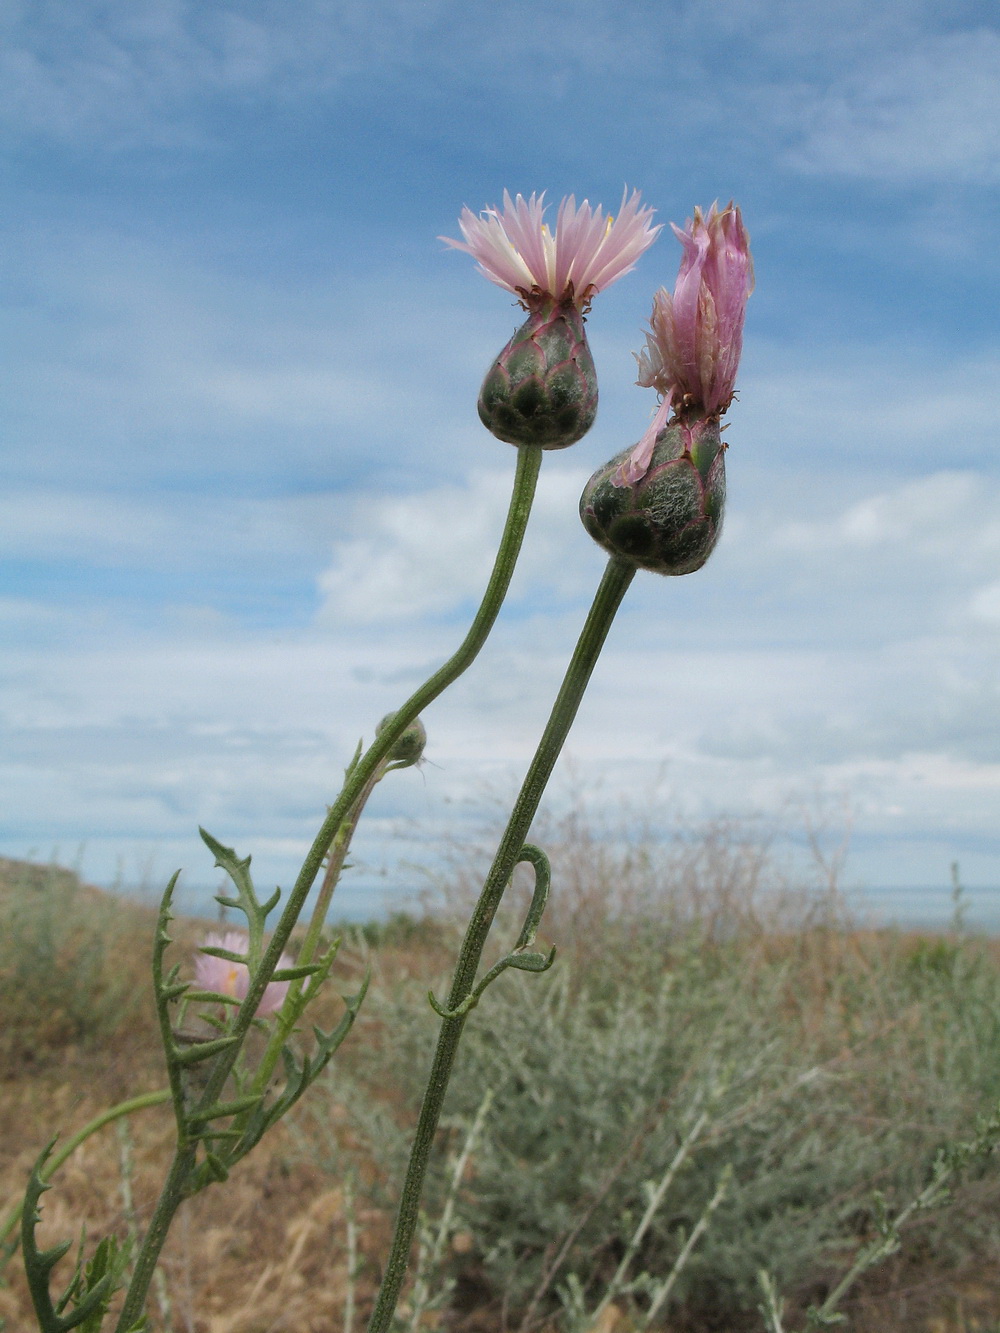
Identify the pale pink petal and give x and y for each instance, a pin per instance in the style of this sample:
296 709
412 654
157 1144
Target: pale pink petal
586 253
636 465
228 978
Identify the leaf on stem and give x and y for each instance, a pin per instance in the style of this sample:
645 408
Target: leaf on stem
85 1300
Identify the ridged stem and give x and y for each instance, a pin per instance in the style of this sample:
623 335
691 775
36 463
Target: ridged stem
612 589
286 1018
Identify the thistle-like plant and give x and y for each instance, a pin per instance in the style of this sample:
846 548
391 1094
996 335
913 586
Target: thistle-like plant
541 393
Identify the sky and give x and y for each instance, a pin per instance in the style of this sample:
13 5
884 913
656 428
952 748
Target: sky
247 503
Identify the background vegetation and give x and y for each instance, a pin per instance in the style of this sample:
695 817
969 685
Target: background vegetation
708 1021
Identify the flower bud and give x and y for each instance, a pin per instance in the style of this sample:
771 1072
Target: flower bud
669 518
409 749
542 388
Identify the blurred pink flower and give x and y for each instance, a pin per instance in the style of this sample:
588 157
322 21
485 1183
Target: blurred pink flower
693 349
228 978
586 253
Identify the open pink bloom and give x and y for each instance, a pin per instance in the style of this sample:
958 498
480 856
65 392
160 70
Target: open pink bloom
586 253
228 978
693 348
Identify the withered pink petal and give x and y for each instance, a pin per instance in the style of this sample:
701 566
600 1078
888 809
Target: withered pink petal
696 335
636 465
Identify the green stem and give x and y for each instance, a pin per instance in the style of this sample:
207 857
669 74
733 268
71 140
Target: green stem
156 1233
289 1014
529 461
613 587
70 1146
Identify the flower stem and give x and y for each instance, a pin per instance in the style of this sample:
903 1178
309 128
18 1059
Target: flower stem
613 587
289 1013
529 461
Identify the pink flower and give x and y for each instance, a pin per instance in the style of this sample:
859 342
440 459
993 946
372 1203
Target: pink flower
586 253
693 350
228 978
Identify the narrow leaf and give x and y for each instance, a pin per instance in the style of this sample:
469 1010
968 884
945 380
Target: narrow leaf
204 1050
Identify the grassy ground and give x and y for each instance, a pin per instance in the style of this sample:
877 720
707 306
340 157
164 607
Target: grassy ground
695 1001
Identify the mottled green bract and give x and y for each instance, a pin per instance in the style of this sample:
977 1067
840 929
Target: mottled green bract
542 388
669 520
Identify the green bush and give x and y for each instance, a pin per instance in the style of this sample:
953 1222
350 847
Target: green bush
73 963
827 1063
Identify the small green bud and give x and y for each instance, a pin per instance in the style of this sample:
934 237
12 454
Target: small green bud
409 749
667 519
542 388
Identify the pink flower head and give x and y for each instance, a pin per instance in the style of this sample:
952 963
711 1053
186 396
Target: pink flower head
586 253
228 978
693 349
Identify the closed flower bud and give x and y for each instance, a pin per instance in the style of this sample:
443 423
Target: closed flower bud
668 520
409 749
542 388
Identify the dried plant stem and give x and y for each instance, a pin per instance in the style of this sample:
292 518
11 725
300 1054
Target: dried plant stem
617 577
701 1226
569 1239
350 1284
655 1199
529 461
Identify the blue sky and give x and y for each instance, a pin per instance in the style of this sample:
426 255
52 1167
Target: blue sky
247 502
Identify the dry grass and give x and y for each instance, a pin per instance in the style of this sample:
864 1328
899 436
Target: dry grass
268 1252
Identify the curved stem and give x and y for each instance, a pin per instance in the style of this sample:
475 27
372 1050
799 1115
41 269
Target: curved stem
529 461
53 1164
613 587
288 1015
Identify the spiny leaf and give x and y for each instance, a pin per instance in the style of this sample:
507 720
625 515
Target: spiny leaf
176 991
296 972
219 1109
204 1050
216 1166
238 871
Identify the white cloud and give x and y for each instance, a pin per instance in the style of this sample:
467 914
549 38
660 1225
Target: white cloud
247 732
947 516
136 71
927 111
427 554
